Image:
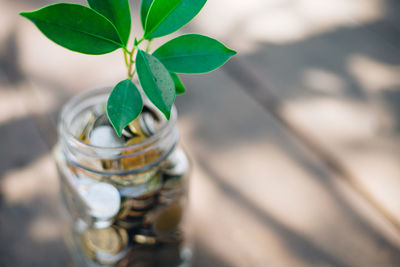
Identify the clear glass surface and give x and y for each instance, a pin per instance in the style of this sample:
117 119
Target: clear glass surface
125 197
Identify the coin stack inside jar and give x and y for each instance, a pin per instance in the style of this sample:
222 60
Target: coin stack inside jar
129 211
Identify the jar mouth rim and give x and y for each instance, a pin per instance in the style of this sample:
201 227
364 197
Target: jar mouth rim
74 102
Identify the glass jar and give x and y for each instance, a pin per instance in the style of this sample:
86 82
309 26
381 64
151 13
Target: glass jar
125 196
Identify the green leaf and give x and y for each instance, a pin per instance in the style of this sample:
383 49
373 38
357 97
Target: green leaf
179 86
156 82
76 27
167 16
124 105
118 12
193 53
144 10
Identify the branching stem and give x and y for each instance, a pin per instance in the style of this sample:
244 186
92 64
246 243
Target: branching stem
128 56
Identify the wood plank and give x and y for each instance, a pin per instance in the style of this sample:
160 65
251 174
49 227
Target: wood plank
260 197
30 223
341 90
335 72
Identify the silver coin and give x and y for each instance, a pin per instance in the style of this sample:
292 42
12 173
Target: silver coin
144 189
148 123
104 203
151 120
105 136
177 163
98 119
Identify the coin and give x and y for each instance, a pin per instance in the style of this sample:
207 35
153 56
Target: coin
135 127
145 236
177 163
106 245
149 122
129 223
168 219
133 179
105 136
104 202
143 239
142 203
175 172
134 159
138 205
132 130
143 190
106 240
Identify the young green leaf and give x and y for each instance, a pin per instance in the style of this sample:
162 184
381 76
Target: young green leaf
193 53
144 10
124 105
179 87
167 16
156 82
118 12
76 27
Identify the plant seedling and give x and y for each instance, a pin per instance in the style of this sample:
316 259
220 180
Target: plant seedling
105 26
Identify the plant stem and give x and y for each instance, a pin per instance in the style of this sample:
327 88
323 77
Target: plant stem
125 49
129 61
125 58
128 56
148 46
141 40
131 72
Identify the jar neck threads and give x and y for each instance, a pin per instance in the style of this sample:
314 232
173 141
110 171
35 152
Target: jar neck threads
124 158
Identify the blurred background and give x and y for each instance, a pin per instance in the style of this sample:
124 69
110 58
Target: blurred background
295 142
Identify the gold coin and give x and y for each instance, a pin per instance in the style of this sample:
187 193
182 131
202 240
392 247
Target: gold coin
140 160
129 223
133 179
135 128
106 240
143 239
168 219
124 235
136 204
136 213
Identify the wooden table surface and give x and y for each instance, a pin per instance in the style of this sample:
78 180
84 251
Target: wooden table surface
294 142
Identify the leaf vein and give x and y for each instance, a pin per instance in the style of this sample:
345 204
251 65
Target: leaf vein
79 31
163 18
